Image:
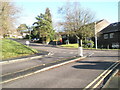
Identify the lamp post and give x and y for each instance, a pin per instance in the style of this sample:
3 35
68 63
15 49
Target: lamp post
95 36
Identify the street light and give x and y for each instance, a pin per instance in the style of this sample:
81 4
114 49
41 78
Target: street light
95 36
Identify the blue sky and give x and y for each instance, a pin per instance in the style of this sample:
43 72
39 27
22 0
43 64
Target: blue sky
103 10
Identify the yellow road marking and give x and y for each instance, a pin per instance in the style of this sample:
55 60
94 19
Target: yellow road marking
89 85
104 76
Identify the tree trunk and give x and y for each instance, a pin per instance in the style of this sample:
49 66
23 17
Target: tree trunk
68 39
80 48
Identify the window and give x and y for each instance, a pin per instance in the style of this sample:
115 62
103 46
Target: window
105 36
111 35
114 24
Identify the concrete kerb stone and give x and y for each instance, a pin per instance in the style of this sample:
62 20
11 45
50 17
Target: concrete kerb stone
23 59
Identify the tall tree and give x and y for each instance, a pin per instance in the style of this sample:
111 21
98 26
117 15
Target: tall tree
8 13
47 12
76 20
44 26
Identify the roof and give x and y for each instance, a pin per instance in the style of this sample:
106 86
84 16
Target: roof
113 27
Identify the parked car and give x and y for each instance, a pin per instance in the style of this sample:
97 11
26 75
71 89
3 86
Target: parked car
35 39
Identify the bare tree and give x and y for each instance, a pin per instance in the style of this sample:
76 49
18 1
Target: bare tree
8 13
77 21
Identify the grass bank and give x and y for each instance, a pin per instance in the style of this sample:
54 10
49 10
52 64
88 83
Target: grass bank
11 49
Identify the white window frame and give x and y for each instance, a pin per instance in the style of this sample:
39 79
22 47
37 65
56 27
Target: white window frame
105 36
111 35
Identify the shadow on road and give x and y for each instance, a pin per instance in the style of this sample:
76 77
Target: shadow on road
96 65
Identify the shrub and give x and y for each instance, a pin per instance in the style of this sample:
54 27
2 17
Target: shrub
88 44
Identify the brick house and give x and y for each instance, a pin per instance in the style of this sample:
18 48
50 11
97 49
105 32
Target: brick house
109 36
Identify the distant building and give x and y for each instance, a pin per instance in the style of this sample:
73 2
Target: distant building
109 37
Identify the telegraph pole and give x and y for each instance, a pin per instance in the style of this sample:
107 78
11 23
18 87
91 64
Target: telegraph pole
95 36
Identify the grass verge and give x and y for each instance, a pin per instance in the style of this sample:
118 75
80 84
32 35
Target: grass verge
12 49
76 46
70 45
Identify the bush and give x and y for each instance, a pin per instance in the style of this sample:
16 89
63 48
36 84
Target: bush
88 44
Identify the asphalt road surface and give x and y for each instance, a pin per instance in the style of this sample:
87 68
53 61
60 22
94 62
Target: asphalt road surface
56 54
74 75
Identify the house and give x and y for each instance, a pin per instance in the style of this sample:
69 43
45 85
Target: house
101 24
109 36
96 26
24 33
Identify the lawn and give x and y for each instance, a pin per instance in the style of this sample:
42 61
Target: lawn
76 46
12 49
70 45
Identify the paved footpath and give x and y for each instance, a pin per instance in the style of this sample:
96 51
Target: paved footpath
74 75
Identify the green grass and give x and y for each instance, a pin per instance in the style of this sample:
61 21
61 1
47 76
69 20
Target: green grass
12 49
76 46
70 45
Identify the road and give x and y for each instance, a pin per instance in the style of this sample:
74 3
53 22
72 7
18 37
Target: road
74 75
56 54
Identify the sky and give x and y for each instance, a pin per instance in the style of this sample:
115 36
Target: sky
102 9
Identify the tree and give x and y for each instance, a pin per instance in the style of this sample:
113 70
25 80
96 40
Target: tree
44 26
77 21
8 13
47 12
22 28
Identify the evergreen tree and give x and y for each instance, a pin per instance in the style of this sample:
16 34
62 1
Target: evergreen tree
47 12
44 26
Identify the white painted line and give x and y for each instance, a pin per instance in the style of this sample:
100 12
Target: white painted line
90 54
44 69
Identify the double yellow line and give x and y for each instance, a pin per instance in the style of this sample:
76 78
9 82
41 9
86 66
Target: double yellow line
96 81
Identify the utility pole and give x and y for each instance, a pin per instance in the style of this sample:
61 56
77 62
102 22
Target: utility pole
95 36
80 48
